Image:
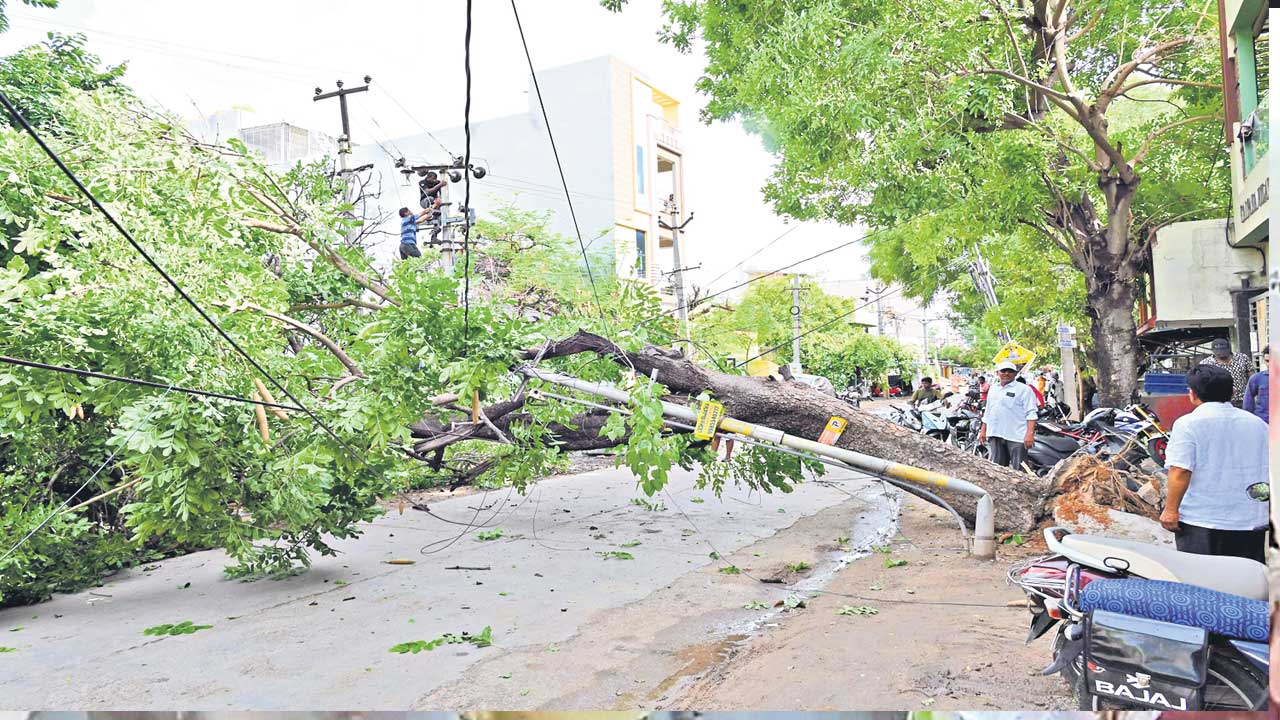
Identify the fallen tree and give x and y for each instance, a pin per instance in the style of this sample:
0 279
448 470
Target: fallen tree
791 407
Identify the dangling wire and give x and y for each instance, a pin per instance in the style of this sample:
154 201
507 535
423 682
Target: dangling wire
466 201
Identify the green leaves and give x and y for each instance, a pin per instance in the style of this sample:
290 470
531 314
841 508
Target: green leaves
483 640
893 563
186 627
859 610
616 554
493 534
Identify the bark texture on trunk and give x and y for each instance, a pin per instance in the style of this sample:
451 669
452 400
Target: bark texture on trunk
801 411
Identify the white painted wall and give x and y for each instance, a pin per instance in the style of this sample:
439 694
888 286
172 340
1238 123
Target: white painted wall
1194 271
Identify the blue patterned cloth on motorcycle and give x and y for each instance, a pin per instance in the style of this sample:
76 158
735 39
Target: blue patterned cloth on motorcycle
1218 612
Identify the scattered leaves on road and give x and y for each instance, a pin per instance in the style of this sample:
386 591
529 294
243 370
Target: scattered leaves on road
20 627
713 555
877 587
696 500
618 554
754 605
731 570
842 541
339 582
186 627
524 692
503 594
859 610
484 639
792 602
505 676
493 534
184 586
782 510
553 648
633 543
8 649
882 549
798 567
648 505
1014 540
892 563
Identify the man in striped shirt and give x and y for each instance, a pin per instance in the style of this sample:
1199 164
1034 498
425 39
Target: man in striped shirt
1239 366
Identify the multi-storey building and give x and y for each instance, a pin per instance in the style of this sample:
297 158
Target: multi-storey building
619 143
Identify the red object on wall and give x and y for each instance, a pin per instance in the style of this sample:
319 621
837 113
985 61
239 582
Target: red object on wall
1168 408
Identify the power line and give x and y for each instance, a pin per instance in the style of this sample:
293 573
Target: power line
841 316
466 201
144 383
790 230
13 111
556 153
414 118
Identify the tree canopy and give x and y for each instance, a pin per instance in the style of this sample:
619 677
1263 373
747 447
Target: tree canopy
1067 128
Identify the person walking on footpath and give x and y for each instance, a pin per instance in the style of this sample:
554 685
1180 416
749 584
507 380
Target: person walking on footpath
1238 365
1009 420
1217 461
1256 398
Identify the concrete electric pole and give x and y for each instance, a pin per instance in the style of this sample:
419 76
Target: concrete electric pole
795 324
682 307
877 292
344 140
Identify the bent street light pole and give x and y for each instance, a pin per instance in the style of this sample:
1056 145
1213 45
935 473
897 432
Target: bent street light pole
984 531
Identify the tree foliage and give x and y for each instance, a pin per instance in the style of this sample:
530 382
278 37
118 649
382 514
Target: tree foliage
1072 128
841 351
389 358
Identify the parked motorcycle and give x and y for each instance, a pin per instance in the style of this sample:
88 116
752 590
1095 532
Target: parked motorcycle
1146 626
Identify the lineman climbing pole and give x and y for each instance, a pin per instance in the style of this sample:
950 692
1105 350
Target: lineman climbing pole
448 222
344 140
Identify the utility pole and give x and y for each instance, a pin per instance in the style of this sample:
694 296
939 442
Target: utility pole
1070 384
878 292
795 324
344 140
924 324
682 307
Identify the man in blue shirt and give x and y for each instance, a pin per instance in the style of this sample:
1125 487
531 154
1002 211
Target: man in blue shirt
1256 400
409 232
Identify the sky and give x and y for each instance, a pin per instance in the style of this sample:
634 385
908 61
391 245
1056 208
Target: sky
267 57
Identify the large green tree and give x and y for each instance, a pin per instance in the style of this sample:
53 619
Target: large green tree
1085 124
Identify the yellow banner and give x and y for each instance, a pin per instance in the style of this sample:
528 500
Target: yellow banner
1014 353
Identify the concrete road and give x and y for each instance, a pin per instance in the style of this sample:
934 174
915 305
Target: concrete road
321 639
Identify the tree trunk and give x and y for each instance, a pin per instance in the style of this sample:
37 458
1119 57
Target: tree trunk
1115 341
801 411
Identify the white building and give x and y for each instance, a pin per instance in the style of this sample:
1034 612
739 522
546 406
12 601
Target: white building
282 145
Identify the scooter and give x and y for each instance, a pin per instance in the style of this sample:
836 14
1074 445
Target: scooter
1110 630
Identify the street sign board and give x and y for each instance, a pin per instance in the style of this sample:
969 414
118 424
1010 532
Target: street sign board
709 414
1066 330
831 433
1066 342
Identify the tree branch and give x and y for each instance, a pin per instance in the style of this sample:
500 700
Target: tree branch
348 302
320 337
1122 72
1046 90
1167 81
1146 145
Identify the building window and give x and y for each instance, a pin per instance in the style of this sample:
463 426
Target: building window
642 267
1255 59
640 170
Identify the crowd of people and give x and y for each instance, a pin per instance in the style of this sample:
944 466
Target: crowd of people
1217 500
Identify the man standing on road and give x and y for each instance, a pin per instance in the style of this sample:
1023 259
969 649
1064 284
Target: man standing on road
1010 419
1217 460
1238 365
1256 399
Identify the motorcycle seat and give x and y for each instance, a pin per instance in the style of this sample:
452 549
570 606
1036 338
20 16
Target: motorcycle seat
1218 612
1237 576
1059 444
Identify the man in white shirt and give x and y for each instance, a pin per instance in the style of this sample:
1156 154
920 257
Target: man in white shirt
1217 460
1010 419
